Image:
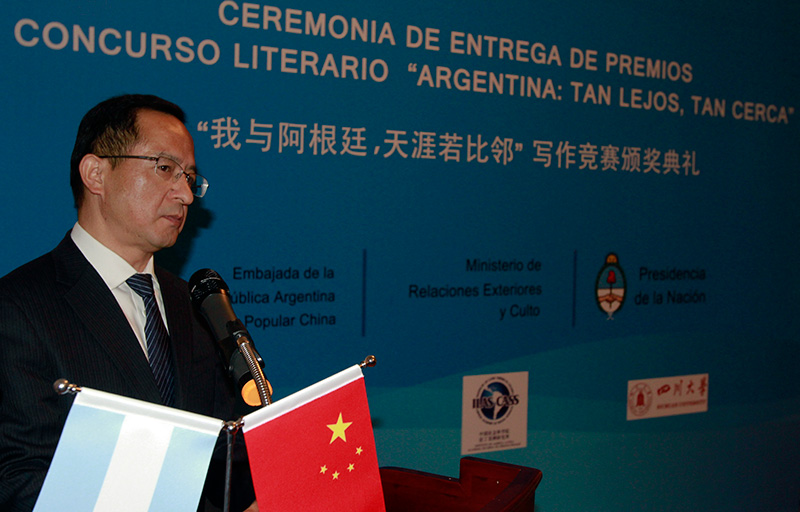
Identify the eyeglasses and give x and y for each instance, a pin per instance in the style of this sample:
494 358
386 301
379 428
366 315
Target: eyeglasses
168 169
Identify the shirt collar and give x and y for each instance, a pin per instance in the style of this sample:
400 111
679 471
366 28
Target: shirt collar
111 266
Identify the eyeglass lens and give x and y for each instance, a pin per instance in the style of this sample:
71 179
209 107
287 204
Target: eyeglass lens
168 169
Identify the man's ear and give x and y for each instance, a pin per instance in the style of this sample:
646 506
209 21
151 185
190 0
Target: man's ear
92 170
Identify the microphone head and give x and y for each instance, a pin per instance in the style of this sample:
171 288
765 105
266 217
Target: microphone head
203 283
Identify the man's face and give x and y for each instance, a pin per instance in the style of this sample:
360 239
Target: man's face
142 211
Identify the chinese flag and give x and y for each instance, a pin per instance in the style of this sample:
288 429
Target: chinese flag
314 450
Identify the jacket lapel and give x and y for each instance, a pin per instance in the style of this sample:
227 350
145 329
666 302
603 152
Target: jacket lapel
102 317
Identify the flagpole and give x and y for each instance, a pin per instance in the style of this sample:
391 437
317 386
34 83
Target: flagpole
231 427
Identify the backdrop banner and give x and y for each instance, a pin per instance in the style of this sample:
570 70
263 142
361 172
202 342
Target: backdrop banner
597 194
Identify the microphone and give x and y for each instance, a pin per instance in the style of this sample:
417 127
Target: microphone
210 296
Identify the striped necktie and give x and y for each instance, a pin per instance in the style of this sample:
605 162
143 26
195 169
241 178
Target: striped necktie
156 336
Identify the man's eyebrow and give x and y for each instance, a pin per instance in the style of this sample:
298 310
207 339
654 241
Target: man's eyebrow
192 168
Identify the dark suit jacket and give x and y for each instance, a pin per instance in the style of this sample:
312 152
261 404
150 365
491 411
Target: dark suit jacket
58 319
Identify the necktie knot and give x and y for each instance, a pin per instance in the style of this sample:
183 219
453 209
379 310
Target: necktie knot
142 284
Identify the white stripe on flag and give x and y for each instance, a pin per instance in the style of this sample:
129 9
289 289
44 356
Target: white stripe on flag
133 473
302 397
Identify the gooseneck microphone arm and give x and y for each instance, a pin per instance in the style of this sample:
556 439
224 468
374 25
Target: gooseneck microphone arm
255 370
251 358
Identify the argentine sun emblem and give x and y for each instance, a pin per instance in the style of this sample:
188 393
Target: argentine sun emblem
610 286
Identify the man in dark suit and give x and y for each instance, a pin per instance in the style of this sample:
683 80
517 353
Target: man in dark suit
74 314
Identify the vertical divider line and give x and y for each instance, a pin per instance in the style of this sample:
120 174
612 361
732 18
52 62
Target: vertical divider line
364 293
574 285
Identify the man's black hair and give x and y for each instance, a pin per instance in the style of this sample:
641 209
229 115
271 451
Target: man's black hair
110 129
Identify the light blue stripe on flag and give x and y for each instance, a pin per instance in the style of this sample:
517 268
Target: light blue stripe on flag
79 466
180 483
124 455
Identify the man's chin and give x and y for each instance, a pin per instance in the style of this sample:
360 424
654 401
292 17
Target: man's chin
167 241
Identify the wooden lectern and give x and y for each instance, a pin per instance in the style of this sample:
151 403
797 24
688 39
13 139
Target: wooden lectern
483 486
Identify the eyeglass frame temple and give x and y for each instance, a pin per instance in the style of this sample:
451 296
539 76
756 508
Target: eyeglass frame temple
203 186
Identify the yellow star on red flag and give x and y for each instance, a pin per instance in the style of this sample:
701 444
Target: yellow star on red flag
338 429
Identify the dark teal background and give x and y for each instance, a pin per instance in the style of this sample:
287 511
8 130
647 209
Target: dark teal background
383 224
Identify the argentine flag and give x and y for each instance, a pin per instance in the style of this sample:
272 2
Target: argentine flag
122 454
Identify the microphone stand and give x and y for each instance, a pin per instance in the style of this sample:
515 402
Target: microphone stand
264 394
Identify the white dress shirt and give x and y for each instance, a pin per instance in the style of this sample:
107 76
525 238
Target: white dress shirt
115 271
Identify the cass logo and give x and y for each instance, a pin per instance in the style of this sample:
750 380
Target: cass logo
495 400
